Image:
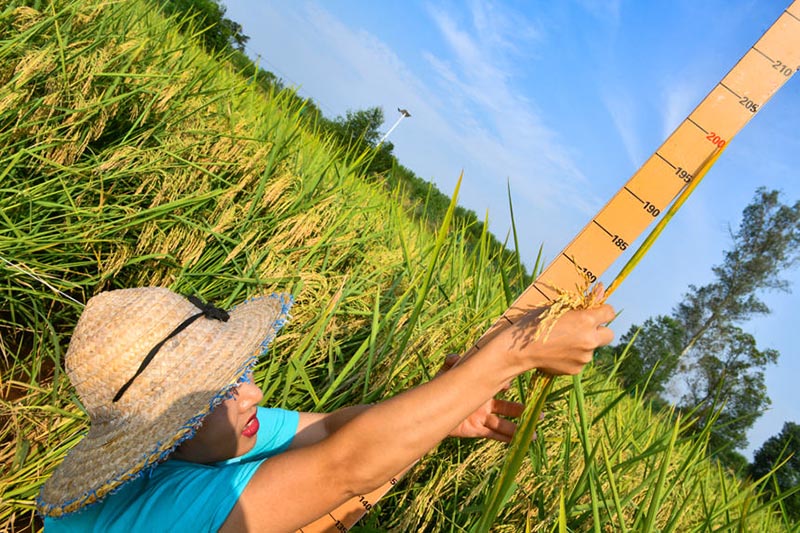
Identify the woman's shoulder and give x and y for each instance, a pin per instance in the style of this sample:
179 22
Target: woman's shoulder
189 495
175 496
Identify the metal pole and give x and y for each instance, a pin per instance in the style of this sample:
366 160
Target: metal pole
403 114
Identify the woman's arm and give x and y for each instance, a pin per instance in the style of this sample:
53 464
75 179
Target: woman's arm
294 488
489 421
314 427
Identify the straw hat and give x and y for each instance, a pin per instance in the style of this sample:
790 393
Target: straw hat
139 413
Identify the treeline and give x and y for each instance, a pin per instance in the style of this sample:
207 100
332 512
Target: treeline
357 133
701 360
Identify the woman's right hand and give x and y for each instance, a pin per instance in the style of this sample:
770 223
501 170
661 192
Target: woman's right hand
569 345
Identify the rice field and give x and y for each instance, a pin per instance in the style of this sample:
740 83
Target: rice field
130 157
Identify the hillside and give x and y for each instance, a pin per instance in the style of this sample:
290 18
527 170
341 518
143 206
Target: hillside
129 156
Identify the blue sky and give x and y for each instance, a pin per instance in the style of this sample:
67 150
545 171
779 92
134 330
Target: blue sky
563 101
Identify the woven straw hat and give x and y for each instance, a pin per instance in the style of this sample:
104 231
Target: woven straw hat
162 406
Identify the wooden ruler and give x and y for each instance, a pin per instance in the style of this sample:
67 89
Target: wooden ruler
758 75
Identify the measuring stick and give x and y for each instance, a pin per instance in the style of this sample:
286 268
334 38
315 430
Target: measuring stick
758 75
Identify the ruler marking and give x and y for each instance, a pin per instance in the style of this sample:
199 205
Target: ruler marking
762 53
338 523
508 320
540 292
698 125
633 194
731 90
602 228
667 161
795 18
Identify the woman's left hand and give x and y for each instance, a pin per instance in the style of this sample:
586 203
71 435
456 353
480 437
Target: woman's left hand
488 421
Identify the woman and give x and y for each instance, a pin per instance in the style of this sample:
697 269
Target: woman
177 441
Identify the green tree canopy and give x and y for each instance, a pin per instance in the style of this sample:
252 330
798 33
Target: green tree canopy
363 124
207 17
776 449
649 353
359 131
701 350
721 366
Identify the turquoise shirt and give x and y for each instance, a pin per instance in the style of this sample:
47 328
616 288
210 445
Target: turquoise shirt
182 496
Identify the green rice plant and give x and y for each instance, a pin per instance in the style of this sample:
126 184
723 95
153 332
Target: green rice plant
530 417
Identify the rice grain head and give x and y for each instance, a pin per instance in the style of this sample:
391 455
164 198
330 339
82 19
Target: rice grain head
581 298
35 62
24 17
281 191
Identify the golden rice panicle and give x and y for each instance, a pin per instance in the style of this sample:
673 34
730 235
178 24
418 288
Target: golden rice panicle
33 64
24 17
301 228
584 297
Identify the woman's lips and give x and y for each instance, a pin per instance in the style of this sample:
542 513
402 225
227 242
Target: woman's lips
251 428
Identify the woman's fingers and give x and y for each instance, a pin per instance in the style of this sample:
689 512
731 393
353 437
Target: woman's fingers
605 313
506 408
599 292
500 426
604 336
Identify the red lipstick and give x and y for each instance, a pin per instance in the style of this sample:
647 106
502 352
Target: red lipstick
251 428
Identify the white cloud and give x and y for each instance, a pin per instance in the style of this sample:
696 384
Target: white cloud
623 111
607 10
502 28
679 99
497 121
364 66
469 115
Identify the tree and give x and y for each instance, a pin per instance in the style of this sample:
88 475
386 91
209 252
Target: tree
766 243
721 366
725 384
220 35
773 452
360 125
216 33
650 354
701 347
359 131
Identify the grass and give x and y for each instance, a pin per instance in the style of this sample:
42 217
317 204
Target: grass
128 156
